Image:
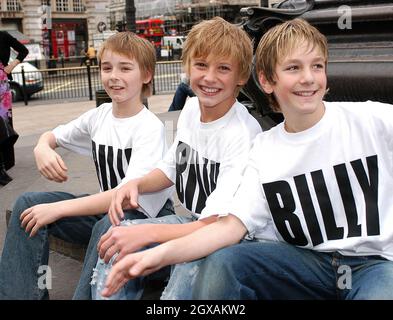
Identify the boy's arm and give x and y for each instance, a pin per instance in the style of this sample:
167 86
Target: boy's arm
33 218
74 136
226 231
127 239
127 195
49 162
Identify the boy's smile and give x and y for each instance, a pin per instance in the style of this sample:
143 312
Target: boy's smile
123 81
215 82
299 87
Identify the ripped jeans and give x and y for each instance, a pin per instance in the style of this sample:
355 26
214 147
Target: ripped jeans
133 289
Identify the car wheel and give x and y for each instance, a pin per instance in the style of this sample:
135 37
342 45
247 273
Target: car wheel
16 92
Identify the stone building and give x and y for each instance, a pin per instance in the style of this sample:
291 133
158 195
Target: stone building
74 22
180 15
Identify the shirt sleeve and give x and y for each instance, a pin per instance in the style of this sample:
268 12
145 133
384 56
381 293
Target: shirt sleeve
229 177
249 204
168 163
147 151
384 125
76 135
18 47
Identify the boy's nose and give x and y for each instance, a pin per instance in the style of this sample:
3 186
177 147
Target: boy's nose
307 76
113 74
210 75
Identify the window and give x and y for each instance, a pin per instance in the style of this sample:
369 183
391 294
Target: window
13 5
77 5
62 5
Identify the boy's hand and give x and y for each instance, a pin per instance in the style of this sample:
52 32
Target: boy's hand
50 164
33 218
125 197
132 266
124 240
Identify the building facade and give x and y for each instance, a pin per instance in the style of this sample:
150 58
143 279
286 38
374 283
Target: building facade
180 15
73 23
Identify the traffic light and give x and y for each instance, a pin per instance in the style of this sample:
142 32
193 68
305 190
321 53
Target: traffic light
46 17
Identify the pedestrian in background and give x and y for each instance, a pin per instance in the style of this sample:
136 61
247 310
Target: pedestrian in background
91 55
183 91
83 54
8 136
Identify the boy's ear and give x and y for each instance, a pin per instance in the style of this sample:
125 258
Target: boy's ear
265 84
242 82
148 77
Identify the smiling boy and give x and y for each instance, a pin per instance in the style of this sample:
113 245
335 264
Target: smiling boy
206 160
314 202
125 141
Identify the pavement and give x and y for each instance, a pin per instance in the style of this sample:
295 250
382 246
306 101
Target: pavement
30 122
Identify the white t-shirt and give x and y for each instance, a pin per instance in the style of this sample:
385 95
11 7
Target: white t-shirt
122 148
328 188
206 160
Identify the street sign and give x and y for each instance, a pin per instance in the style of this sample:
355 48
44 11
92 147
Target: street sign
46 17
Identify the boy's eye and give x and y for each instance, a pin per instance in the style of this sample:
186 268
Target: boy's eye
319 66
224 68
291 68
106 68
200 64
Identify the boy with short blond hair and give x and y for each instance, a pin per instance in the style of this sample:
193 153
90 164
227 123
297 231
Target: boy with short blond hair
207 159
125 141
314 202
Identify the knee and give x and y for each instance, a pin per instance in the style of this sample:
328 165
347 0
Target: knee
181 282
25 201
101 226
98 279
220 262
216 273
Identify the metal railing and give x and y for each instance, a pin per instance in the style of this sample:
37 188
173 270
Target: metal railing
83 82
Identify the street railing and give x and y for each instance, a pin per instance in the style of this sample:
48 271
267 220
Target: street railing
84 81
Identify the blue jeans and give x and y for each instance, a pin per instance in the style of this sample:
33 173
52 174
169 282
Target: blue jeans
183 91
133 289
22 256
277 270
183 278
83 289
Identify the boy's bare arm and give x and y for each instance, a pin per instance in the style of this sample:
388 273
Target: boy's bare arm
49 162
127 195
204 241
128 239
33 218
224 232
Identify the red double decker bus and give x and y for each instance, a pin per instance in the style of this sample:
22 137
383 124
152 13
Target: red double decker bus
151 29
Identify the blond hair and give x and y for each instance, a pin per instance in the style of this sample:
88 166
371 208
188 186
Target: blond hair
279 42
128 44
221 39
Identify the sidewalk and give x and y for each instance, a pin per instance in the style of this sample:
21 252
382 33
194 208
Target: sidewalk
30 122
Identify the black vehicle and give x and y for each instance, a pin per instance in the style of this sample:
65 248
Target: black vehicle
360 39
